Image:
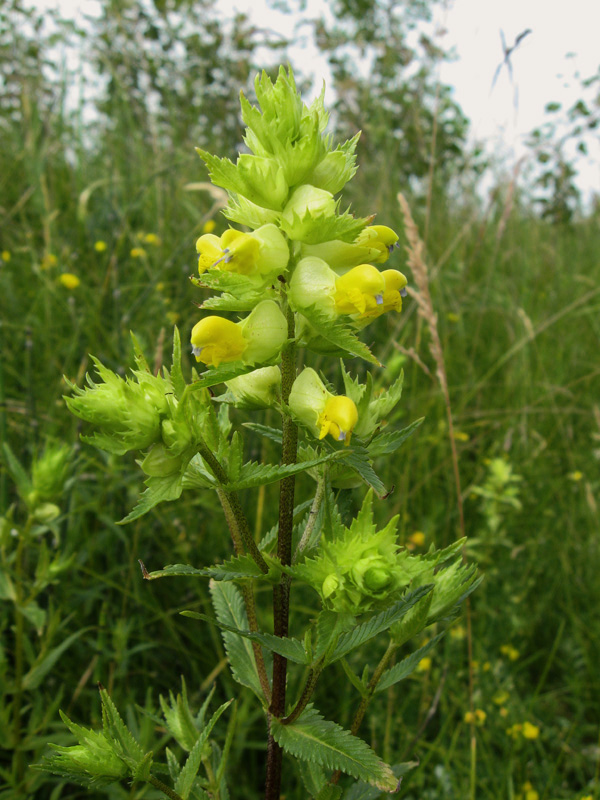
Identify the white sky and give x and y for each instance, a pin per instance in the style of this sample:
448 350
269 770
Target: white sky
563 42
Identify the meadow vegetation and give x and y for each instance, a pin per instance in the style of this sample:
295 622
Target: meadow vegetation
98 220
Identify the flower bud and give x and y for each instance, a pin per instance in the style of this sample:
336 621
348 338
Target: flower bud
160 463
258 389
49 471
322 412
263 253
305 211
334 171
127 414
265 179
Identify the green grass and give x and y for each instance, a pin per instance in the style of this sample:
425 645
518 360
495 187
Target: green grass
518 312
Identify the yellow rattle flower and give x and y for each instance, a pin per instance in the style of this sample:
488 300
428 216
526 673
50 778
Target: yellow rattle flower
338 419
216 339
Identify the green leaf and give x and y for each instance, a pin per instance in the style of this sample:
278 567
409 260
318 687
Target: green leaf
230 611
254 474
325 227
7 589
338 332
362 790
187 776
179 718
16 471
44 663
271 433
358 459
387 443
313 777
407 666
114 728
323 742
377 624
222 373
177 378
289 648
330 792
159 490
240 293
234 569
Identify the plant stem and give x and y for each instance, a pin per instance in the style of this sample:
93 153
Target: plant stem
309 687
164 788
247 592
362 706
281 592
312 518
234 513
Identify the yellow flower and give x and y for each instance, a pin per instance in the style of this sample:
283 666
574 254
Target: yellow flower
137 252
529 793
68 280
575 476
510 652
457 632
530 731
380 237
515 730
424 664
256 339
461 436
49 260
338 418
360 290
6 255
452 317
152 238
417 539
500 698
478 716
209 226
264 252
503 712
100 246
216 339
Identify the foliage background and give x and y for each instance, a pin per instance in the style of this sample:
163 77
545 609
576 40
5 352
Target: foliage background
515 283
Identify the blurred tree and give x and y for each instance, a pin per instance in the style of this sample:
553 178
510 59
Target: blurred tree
559 146
384 63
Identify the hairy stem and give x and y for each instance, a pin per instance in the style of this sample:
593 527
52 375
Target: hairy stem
309 687
281 592
312 518
164 788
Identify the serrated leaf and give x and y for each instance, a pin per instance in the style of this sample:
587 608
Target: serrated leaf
159 490
313 738
377 624
179 718
407 666
358 459
386 443
324 227
270 433
187 776
234 569
254 474
230 610
222 373
339 333
362 790
114 727
313 777
289 648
